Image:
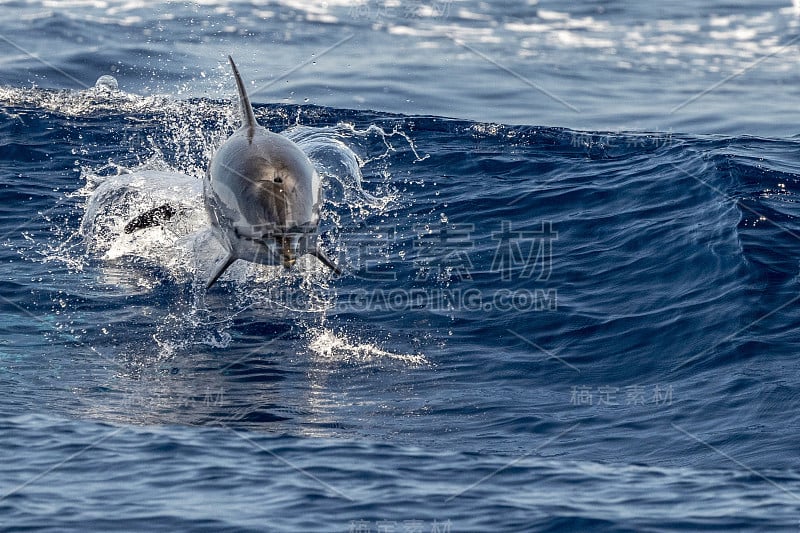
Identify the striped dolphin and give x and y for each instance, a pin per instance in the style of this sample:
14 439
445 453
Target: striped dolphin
262 195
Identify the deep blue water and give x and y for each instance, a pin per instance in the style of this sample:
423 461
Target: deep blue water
573 307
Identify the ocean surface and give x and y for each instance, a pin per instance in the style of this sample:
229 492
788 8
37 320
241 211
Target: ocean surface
571 250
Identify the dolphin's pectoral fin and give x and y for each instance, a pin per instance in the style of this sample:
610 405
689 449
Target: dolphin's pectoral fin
319 254
148 219
219 269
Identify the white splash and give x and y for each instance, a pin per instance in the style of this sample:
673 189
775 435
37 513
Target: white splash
327 344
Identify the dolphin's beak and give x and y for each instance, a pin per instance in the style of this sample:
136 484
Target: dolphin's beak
287 253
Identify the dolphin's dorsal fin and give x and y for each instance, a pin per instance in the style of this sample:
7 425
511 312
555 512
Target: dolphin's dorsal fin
248 118
154 217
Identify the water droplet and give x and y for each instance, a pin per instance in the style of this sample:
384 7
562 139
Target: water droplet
106 82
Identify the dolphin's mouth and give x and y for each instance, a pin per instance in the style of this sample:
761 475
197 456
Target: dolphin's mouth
288 255
293 243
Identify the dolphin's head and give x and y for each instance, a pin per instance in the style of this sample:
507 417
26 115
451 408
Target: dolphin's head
287 189
265 190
